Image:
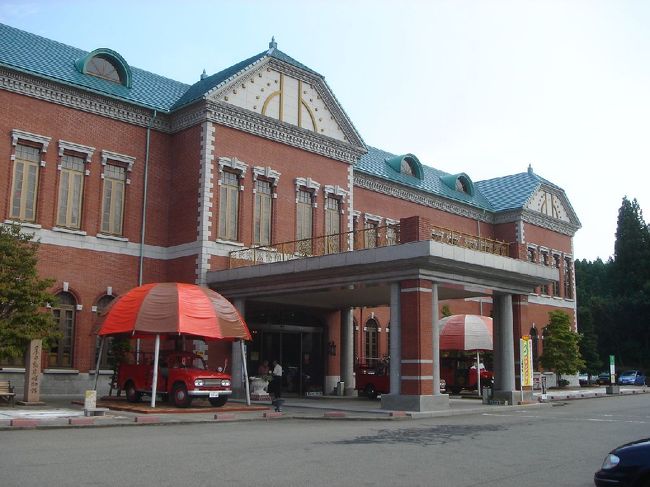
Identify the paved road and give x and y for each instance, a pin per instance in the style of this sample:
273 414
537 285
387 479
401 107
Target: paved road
559 445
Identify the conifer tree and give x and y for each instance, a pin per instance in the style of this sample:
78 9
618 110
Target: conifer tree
631 266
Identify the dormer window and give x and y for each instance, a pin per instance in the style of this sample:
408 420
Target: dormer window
105 64
103 68
405 167
459 182
407 164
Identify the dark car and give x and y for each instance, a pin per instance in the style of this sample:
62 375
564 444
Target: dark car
626 466
632 378
604 378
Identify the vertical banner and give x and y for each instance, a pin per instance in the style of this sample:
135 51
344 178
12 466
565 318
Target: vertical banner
526 356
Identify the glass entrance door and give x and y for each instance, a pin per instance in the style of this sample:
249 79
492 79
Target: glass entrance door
298 351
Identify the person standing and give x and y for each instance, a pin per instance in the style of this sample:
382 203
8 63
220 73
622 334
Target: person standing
276 381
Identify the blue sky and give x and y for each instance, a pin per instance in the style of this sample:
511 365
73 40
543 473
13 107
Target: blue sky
481 87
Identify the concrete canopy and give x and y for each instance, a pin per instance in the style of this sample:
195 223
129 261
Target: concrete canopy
363 277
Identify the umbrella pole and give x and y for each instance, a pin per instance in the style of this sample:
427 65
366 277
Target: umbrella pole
155 371
99 358
478 372
243 361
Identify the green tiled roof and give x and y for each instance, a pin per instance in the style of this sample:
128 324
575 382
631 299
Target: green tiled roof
43 57
512 192
46 58
207 84
374 163
495 195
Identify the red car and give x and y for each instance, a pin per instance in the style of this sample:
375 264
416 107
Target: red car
182 376
372 381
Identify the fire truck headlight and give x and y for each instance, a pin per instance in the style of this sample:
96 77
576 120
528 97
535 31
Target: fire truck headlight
225 383
198 382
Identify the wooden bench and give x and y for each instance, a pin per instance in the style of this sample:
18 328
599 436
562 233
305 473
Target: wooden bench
7 391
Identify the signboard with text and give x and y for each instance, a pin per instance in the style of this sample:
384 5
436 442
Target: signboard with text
526 354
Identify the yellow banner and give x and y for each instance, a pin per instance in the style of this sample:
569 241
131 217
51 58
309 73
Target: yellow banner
526 356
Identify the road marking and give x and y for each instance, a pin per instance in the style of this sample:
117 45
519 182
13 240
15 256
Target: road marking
569 418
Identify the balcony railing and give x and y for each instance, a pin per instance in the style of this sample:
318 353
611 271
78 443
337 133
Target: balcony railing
315 246
355 240
468 241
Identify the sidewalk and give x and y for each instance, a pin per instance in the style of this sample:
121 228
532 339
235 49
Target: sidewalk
67 411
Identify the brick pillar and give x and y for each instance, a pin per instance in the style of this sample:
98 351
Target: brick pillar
416 365
417 355
414 229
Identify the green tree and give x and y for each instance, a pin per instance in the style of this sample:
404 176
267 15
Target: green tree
631 266
561 346
23 295
588 342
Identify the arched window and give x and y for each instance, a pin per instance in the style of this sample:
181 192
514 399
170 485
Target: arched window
61 352
103 68
105 362
371 337
105 64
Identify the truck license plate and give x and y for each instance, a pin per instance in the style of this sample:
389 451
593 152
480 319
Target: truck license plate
214 394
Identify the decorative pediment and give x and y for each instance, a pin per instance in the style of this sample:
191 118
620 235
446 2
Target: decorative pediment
549 203
286 94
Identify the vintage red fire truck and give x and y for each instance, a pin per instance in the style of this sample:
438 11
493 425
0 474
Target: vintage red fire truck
455 375
182 376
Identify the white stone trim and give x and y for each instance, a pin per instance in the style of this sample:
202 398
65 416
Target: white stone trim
22 224
369 217
417 377
268 173
80 99
17 135
335 190
232 163
417 361
114 156
554 301
206 197
419 197
68 230
416 289
308 183
350 206
112 237
72 146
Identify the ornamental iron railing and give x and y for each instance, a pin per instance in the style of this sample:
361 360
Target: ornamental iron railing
366 238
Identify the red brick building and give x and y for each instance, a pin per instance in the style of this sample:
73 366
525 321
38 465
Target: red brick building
127 177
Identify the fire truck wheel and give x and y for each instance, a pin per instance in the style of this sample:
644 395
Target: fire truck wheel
132 395
456 389
181 398
217 402
370 391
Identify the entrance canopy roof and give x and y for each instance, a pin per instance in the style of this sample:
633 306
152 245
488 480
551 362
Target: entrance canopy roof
363 277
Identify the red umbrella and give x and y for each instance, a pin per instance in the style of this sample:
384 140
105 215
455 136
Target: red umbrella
466 332
172 308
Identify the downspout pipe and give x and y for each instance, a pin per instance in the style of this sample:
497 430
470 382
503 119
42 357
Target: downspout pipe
144 218
144 196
